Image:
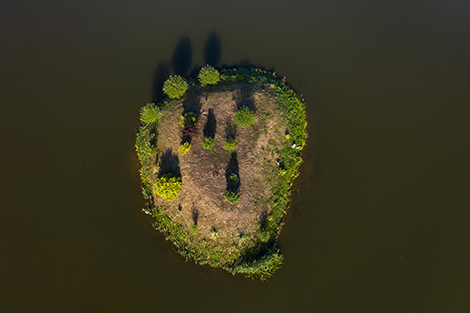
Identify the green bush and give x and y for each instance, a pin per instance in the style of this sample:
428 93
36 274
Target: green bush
230 144
233 179
189 118
245 116
149 113
208 143
232 196
208 76
185 147
175 87
168 186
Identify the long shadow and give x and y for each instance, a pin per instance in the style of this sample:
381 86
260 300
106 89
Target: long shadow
160 74
195 214
244 98
211 125
213 49
182 56
232 168
169 163
230 131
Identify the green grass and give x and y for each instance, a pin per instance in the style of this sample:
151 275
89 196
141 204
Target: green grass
230 144
208 143
232 196
233 179
245 117
175 87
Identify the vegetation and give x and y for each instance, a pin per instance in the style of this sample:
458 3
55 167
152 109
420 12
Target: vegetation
175 87
208 76
149 113
185 147
267 158
230 144
232 196
208 143
168 186
233 179
245 117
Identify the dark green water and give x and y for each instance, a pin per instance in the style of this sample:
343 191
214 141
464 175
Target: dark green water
379 220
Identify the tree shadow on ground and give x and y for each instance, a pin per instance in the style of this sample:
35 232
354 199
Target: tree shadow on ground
212 49
194 214
244 97
263 220
211 125
232 168
182 56
192 104
169 163
160 74
230 131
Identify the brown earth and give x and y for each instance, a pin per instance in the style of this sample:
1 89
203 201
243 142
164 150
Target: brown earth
205 173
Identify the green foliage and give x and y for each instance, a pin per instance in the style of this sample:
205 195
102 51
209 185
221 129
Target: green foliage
193 228
245 116
208 143
185 147
149 113
168 186
208 76
232 196
175 87
262 268
230 144
142 144
189 118
233 179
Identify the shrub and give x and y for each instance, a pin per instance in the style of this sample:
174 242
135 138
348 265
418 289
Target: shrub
149 113
168 186
193 228
232 196
175 87
208 143
233 178
189 118
208 76
245 116
230 144
185 147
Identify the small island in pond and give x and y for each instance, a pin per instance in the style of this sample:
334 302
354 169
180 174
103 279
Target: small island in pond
218 157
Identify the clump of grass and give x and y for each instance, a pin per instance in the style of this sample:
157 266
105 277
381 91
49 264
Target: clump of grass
208 143
149 113
168 186
185 147
208 76
245 117
230 144
193 228
232 196
175 87
233 179
213 233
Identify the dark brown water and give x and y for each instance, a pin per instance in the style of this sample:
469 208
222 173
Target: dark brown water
380 220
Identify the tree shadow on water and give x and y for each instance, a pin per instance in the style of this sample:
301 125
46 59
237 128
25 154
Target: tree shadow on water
211 125
160 74
213 49
182 56
169 163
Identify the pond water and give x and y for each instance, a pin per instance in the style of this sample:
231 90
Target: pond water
379 220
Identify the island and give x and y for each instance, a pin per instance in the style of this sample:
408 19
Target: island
218 158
